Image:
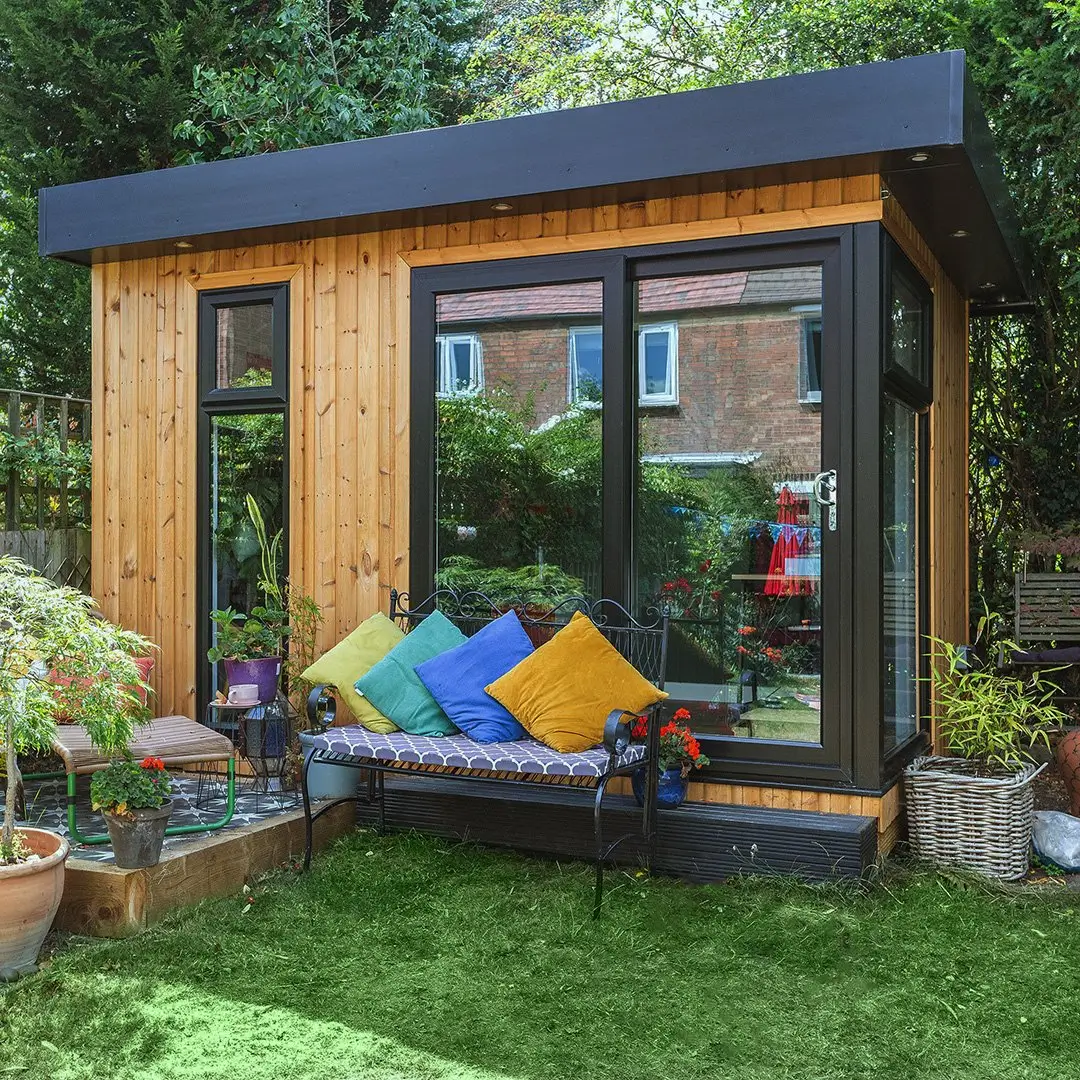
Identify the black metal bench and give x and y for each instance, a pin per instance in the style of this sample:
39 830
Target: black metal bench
524 761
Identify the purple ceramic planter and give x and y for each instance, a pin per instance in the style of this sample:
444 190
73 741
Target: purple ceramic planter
263 673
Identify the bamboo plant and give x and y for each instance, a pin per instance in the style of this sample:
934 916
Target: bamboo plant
48 630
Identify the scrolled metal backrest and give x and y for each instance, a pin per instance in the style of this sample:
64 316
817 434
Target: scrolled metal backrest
642 644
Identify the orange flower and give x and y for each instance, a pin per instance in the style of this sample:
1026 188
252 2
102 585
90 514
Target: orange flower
151 763
746 631
682 714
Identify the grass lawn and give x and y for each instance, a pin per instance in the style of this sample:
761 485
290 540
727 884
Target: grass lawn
407 957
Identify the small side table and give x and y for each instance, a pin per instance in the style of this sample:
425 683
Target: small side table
262 733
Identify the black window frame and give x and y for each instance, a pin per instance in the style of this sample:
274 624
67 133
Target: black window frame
215 402
915 394
210 300
849 756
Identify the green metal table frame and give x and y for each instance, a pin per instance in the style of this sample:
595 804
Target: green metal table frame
172 830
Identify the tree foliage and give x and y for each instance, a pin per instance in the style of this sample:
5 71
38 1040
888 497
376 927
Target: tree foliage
87 89
321 71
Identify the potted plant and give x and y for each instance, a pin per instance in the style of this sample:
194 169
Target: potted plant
680 753
46 628
974 810
251 645
134 799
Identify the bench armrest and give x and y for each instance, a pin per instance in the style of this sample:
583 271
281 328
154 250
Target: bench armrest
619 724
321 707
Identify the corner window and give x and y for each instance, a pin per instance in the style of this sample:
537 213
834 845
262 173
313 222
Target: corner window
658 370
810 359
907 323
461 364
586 347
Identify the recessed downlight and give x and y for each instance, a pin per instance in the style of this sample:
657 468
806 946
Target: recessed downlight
919 157
502 207
183 245
960 233
988 285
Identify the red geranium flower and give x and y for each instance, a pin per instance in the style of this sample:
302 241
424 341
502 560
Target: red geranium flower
746 631
682 714
151 763
705 566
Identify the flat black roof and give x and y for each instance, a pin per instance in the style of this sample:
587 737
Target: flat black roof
838 122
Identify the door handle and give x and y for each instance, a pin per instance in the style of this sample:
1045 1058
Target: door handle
825 494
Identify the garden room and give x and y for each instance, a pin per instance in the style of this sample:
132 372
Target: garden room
714 374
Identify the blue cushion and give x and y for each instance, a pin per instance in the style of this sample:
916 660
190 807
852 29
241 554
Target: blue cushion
395 689
456 679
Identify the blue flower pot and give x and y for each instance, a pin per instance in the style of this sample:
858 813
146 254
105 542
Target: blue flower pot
670 791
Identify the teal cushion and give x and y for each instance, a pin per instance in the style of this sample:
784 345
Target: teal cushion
395 689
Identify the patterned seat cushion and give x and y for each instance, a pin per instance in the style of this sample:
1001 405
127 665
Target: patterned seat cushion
460 752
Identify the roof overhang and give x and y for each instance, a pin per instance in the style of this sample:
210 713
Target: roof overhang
832 123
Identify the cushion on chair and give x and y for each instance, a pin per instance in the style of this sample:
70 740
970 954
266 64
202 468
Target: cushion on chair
564 691
395 689
456 679
353 657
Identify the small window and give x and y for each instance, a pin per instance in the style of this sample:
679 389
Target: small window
461 364
810 360
243 345
658 369
586 344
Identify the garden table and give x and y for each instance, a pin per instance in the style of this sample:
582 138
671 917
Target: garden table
175 739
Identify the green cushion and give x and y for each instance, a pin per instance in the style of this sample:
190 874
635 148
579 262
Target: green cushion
353 657
395 689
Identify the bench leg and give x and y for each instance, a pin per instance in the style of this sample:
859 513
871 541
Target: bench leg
598 895
307 808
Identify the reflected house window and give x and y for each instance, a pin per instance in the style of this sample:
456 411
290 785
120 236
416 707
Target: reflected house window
810 358
658 364
586 345
460 364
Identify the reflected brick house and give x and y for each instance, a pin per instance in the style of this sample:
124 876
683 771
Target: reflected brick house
729 364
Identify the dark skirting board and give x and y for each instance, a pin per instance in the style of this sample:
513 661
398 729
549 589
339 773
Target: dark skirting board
698 842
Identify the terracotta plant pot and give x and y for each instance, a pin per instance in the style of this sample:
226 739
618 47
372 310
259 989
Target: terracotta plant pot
138 835
29 896
1068 759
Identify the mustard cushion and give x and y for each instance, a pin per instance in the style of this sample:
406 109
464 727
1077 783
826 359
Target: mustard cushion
564 691
353 657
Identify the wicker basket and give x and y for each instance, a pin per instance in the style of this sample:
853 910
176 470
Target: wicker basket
978 823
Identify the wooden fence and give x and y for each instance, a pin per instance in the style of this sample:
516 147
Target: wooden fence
45 483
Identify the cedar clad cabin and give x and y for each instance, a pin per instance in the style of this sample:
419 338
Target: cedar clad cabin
707 351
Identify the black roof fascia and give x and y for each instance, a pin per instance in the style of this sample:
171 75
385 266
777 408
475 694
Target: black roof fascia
873 113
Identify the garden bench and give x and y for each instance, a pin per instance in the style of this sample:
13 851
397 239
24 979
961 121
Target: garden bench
524 761
1047 614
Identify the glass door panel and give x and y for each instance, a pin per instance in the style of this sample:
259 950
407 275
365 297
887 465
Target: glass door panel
728 529
518 448
247 457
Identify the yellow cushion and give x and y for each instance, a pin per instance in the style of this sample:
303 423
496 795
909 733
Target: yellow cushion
353 657
564 691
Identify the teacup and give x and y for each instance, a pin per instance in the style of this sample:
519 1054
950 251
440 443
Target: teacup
244 694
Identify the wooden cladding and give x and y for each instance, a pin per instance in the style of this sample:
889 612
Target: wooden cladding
348 398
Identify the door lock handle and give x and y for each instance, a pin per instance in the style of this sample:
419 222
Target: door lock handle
825 494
